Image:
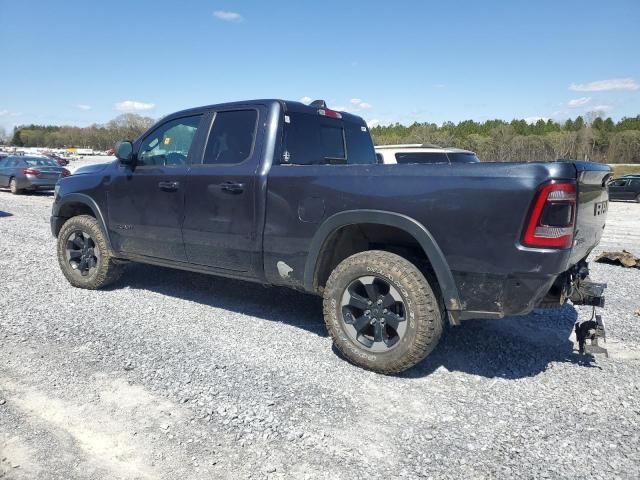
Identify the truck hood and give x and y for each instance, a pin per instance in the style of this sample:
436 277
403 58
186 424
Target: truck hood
96 168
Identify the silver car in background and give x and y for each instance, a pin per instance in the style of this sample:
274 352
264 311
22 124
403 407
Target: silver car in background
28 173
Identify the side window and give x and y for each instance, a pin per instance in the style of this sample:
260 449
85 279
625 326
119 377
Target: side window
463 158
619 183
359 145
169 144
379 158
232 136
424 157
302 139
635 182
13 162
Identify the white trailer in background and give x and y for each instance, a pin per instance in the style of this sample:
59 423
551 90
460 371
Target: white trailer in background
84 151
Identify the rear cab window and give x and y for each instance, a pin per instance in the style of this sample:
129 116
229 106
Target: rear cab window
313 139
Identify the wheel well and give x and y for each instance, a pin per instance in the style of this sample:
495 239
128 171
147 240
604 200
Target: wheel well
73 209
352 239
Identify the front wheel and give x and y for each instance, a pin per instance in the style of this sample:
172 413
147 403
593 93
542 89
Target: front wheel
84 255
381 312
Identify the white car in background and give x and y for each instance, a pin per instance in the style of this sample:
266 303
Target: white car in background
423 153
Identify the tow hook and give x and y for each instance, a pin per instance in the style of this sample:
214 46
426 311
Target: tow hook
591 330
586 292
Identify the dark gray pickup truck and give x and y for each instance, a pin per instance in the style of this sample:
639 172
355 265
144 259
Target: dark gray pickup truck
282 193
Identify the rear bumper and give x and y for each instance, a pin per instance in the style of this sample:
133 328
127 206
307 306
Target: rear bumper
497 296
36 183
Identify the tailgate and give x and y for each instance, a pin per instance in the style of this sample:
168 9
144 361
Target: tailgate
592 204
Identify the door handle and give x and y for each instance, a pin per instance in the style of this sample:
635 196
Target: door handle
168 186
232 187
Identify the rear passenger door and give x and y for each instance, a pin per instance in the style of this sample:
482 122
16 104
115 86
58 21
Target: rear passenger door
220 225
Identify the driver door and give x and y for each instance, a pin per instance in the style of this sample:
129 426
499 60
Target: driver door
146 200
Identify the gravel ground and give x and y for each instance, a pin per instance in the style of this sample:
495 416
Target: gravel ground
178 375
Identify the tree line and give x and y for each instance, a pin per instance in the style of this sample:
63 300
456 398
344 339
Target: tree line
597 139
98 136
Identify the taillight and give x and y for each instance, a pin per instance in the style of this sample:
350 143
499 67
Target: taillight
65 173
31 171
552 218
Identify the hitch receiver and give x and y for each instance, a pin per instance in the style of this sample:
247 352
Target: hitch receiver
586 292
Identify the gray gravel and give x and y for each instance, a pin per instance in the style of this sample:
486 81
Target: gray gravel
178 375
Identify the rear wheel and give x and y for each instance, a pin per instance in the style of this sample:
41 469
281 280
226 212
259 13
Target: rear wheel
13 186
84 255
638 198
381 312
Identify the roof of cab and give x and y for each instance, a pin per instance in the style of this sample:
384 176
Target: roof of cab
287 106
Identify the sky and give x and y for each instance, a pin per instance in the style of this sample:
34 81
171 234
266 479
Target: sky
78 62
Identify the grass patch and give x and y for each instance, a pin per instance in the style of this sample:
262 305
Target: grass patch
619 170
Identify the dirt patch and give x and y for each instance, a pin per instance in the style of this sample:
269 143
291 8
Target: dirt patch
623 258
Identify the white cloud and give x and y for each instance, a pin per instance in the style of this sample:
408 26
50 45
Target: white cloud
601 108
373 122
339 108
360 104
306 100
228 16
602 85
532 120
4 112
578 102
133 106
82 106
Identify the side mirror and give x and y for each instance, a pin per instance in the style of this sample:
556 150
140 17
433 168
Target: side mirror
124 152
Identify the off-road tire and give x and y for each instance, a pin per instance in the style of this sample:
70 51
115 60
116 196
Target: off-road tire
107 270
13 187
423 311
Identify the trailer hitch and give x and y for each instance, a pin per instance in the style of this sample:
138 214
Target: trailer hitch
586 292
591 330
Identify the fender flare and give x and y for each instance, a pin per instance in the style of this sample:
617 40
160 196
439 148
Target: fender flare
85 200
381 217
